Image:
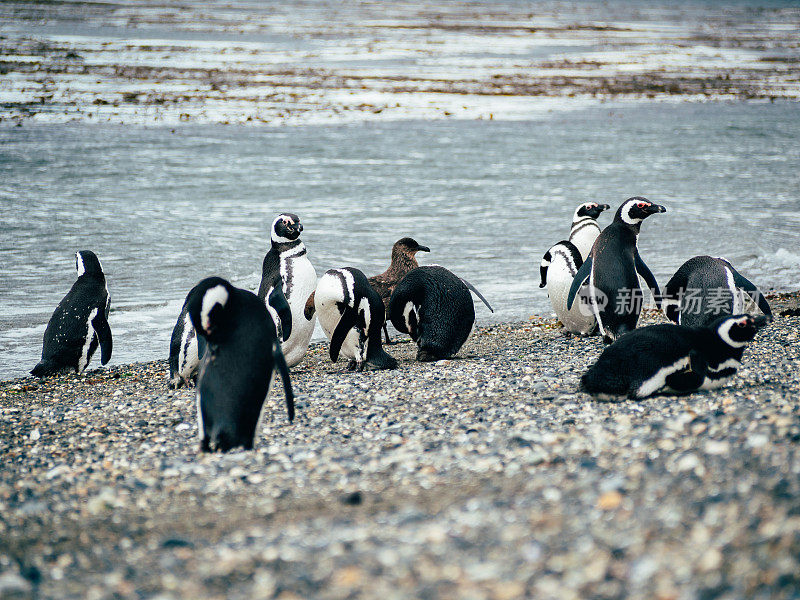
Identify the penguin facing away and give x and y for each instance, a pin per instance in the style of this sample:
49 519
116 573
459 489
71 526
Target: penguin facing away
673 359
705 288
435 308
612 267
558 269
79 323
585 229
402 262
351 315
287 279
184 356
238 367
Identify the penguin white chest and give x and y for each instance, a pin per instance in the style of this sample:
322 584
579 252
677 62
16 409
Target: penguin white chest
580 319
583 235
300 279
327 300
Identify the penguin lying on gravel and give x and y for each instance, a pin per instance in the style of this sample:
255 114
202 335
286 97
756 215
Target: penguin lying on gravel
403 261
672 359
585 228
705 288
351 315
558 269
612 268
237 368
79 323
435 308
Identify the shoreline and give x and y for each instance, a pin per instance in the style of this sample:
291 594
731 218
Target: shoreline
485 476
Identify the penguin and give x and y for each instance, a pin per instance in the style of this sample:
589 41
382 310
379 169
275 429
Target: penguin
287 272
402 262
184 356
351 315
238 366
79 323
435 308
558 269
611 268
584 226
705 288
674 359
186 348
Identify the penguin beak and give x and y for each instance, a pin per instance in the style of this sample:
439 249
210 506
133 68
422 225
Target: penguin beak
760 321
604 207
299 228
656 208
423 249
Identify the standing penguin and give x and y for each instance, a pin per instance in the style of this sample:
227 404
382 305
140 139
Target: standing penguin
287 272
672 358
403 261
80 322
351 315
584 226
558 269
237 368
435 308
705 288
612 266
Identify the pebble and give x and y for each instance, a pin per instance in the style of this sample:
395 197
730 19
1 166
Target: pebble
460 479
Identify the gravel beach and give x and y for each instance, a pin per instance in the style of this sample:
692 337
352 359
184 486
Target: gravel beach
486 476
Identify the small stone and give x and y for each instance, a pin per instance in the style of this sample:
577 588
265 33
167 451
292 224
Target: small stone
35 435
609 500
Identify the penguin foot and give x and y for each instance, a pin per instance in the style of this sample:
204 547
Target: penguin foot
352 365
424 355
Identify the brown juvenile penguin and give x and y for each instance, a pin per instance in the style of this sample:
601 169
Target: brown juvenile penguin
403 261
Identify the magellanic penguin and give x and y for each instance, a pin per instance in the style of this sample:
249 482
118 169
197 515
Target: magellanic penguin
584 226
435 308
558 269
80 322
705 288
673 359
351 315
611 268
403 261
238 366
184 356
287 272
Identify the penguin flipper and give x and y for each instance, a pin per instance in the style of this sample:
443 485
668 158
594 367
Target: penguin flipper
577 281
280 364
748 286
278 301
543 268
476 292
691 378
103 331
346 323
675 290
648 277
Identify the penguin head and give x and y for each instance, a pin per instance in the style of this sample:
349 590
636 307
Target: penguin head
737 331
209 305
286 228
86 262
589 209
407 247
635 210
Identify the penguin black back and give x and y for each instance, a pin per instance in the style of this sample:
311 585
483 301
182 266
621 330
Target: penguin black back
435 308
705 288
237 369
79 323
